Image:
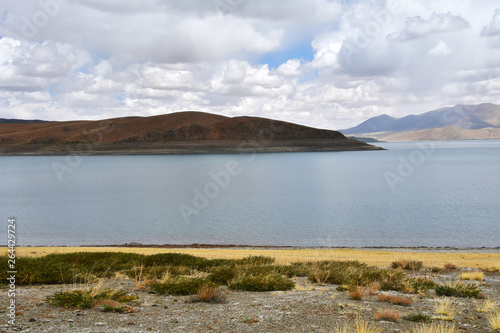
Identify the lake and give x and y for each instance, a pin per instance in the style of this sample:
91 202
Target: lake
413 194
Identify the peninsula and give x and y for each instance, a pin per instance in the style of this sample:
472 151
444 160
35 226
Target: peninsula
175 133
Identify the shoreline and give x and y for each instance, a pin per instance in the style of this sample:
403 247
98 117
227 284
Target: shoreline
382 257
184 148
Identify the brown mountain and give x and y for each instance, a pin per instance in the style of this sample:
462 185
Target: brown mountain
182 132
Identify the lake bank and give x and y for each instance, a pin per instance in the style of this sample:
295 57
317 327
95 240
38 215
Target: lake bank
376 257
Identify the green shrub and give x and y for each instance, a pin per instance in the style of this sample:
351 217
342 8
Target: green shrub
412 265
458 290
294 269
177 259
354 273
180 286
223 275
418 318
269 282
256 260
86 298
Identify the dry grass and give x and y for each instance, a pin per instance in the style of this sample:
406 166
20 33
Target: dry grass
444 308
284 256
472 276
388 315
210 294
486 305
373 288
434 328
356 292
398 300
494 320
365 327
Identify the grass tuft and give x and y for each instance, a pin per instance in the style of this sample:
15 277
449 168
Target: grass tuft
444 308
494 320
434 328
388 315
472 276
87 298
418 318
486 306
398 300
179 286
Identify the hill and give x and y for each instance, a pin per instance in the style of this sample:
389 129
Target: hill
182 132
460 122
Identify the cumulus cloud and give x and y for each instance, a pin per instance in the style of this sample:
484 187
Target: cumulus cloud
416 27
95 59
441 49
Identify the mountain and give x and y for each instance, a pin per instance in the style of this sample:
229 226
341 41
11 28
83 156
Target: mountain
20 121
182 132
457 122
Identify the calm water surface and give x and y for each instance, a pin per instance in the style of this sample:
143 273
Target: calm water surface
414 194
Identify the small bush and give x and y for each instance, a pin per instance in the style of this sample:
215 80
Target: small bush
209 294
356 292
458 290
179 286
388 315
450 266
270 282
398 300
418 318
223 275
412 265
87 298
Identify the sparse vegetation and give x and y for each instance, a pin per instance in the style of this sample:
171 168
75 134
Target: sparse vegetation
88 298
356 292
445 309
179 286
418 318
209 294
398 300
269 282
435 328
412 265
458 289
486 305
494 320
388 315
472 276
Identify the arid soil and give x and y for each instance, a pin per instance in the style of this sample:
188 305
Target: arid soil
307 308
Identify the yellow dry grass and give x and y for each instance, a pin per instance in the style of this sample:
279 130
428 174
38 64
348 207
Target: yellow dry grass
382 258
473 276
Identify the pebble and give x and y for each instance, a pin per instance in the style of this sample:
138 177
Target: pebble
100 324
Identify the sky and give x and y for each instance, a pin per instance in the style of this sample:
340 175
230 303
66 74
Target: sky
322 63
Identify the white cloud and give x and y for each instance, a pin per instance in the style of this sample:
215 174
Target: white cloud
493 28
416 27
441 49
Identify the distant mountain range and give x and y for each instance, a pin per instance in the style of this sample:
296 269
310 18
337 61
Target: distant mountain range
460 122
21 121
181 132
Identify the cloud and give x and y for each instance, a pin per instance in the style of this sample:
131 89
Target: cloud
493 28
101 59
416 27
441 49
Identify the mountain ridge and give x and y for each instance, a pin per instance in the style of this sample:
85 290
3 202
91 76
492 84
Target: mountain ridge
465 119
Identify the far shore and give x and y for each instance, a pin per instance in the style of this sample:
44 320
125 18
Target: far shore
479 258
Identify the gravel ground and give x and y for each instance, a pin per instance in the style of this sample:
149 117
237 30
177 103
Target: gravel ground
307 308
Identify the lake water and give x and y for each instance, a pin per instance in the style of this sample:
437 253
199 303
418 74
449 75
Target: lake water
413 194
